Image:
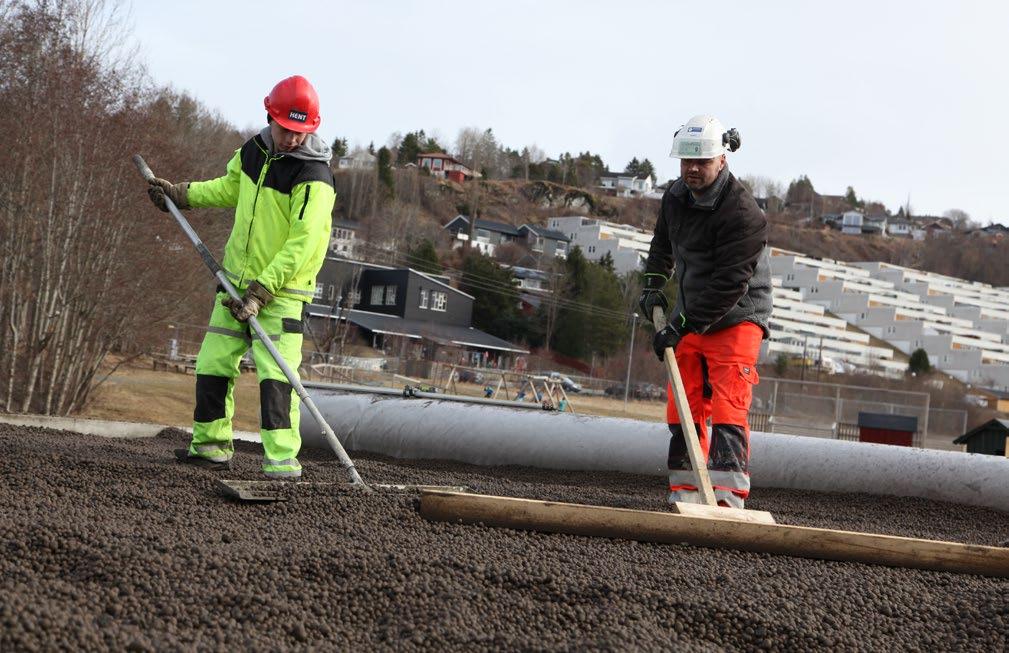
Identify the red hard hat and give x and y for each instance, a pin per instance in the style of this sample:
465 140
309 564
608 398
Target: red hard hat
294 104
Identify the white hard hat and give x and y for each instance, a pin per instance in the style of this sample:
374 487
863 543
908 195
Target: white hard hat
703 137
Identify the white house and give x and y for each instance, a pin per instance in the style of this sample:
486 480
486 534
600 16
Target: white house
899 227
343 237
626 245
625 185
358 160
851 222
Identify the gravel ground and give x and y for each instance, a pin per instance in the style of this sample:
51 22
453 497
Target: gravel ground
110 544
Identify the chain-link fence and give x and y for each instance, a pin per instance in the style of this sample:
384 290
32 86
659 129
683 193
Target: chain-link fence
831 410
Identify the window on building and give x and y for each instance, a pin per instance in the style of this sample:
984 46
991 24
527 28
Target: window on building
423 298
390 295
355 297
376 295
439 300
318 291
538 244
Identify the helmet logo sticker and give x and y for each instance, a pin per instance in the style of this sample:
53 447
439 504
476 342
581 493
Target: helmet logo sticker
695 130
300 116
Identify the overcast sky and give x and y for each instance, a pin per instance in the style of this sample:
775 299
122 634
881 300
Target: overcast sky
896 99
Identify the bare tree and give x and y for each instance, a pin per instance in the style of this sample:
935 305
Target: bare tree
961 219
77 281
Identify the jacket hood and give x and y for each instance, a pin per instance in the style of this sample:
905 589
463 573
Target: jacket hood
312 149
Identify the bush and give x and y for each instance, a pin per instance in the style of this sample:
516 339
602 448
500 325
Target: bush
919 363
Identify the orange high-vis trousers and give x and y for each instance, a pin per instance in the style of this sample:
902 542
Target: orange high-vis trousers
719 371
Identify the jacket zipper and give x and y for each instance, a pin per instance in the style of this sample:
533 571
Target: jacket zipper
255 201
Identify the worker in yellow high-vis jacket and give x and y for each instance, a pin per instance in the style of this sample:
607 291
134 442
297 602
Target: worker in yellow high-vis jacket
281 187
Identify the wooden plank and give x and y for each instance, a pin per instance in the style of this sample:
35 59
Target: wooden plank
697 458
718 512
778 539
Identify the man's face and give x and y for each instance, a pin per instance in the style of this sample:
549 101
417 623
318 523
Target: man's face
285 140
698 174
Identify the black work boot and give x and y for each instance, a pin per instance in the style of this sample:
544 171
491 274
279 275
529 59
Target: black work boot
183 456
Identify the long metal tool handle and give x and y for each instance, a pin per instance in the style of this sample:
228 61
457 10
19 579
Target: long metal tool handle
697 460
208 258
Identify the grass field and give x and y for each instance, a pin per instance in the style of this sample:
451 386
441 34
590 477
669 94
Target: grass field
138 393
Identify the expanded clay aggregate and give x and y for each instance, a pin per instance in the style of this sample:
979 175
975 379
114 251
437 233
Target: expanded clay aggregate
111 544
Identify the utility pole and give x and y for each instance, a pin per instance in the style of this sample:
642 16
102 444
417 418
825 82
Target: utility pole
630 357
805 340
819 360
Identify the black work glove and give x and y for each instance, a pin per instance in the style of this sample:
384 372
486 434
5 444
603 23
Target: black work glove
652 295
669 336
256 297
161 188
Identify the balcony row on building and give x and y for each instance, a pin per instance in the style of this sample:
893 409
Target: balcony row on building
802 329
963 326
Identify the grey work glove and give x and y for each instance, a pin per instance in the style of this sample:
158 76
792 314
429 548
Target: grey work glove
161 188
256 297
652 295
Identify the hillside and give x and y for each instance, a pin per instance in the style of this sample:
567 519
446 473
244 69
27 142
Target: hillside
418 206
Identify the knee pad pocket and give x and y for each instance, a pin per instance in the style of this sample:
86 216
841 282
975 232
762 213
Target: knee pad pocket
678 457
729 448
275 404
211 395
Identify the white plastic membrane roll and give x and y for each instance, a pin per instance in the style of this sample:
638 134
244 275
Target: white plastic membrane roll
489 435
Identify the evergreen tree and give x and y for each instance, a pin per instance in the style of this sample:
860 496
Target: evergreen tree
409 148
422 256
431 145
800 190
919 364
385 178
589 326
496 299
413 144
634 167
852 199
607 262
339 147
647 170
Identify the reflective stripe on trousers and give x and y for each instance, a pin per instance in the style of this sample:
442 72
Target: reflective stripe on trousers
683 479
231 333
289 468
693 496
212 452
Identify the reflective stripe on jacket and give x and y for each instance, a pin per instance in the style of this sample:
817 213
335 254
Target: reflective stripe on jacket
283 216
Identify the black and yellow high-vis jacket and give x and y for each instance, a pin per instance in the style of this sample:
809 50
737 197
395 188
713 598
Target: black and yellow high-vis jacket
283 214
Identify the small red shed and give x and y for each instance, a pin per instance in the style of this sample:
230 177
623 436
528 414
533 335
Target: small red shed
883 428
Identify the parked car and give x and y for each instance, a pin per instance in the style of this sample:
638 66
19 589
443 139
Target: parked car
638 391
648 391
615 390
566 382
469 376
